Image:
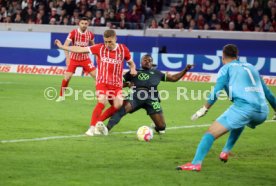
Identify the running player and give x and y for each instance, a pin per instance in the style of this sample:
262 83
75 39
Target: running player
249 108
109 79
83 38
145 93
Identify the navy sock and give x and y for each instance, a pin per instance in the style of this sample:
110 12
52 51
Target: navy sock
114 120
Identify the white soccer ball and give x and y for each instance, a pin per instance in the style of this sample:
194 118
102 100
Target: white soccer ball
144 133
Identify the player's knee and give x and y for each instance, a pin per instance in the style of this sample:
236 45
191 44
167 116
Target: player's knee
118 104
68 76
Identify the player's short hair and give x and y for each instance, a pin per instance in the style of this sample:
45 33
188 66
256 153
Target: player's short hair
84 19
109 33
148 56
230 51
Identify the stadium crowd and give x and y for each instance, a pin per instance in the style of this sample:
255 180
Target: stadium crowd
233 15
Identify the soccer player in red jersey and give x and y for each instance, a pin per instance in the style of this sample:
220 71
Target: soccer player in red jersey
110 56
83 38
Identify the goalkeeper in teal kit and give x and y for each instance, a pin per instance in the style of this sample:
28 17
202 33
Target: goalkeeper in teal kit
247 91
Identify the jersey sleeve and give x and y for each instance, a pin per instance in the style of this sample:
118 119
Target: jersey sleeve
94 49
222 80
162 75
127 77
269 95
127 53
71 35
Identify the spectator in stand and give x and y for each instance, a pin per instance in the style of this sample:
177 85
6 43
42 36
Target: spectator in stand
244 27
133 17
54 14
126 5
69 6
239 23
250 24
231 26
214 12
98 20
265 24
122 22
141 11
112 22
164 20
153 24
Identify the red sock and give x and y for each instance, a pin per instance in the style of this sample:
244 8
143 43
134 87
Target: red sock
64 85
109 112
96 114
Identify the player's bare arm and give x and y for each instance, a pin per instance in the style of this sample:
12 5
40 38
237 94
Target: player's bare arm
92 42
75 49
178 76
132 67
67 43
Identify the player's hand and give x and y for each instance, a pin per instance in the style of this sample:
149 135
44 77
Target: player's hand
274 117
58 43
201 112
189 67
133 72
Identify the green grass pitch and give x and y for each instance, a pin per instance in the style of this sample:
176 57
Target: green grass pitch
118 159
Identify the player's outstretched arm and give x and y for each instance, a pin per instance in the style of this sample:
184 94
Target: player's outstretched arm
67 43
75 49
132 67
201 112
179 75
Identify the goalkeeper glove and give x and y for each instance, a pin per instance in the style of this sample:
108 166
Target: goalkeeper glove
201 112
274 117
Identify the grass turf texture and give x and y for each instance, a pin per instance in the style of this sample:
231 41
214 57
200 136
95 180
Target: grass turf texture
118 159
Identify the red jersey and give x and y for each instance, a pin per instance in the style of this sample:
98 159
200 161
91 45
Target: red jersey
110 63
80 39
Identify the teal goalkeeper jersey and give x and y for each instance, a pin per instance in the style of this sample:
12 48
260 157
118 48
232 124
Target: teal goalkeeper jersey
244 86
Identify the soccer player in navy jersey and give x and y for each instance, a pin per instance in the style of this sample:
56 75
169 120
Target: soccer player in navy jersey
145 93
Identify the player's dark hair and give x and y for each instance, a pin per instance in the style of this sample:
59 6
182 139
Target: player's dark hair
230 51
84 19
109 33
148 56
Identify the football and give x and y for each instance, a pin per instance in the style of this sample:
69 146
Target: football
144 133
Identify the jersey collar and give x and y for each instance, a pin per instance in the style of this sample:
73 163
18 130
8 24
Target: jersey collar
115 47
81 31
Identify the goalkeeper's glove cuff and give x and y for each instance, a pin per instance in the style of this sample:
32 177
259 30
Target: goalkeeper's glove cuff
201 112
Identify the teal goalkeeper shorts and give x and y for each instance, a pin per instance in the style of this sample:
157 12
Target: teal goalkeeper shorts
235 117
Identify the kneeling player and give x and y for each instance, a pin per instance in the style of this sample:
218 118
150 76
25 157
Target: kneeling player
145 93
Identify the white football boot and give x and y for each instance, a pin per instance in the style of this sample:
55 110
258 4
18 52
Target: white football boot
90 131
100 126
60 99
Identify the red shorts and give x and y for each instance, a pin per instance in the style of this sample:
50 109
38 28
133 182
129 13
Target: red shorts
110 91
87 65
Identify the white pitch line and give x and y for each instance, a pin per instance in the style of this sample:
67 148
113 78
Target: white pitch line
7 82
82 135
